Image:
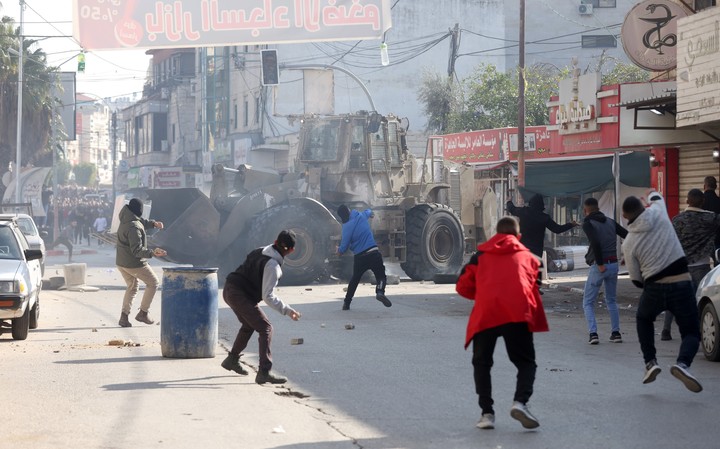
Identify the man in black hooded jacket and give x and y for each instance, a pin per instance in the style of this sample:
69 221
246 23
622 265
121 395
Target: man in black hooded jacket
533 222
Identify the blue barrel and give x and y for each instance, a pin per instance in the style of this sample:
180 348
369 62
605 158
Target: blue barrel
189 316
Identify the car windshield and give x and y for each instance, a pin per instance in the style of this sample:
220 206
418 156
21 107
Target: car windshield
9 248
27 226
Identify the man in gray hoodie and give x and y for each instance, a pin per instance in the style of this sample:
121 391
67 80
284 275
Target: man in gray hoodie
656 262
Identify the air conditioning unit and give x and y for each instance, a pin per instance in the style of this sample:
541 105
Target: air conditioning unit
585 9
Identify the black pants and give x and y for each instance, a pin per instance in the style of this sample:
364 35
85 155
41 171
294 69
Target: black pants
520 349
252 319
361 263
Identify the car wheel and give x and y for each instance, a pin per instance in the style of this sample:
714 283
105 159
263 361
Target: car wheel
20 326
710 332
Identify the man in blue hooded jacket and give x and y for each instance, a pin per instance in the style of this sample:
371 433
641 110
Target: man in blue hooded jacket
357 236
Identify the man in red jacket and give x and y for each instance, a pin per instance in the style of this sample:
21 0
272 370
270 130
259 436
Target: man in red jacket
502 279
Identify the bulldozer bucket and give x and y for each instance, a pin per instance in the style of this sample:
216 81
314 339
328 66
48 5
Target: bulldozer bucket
191 225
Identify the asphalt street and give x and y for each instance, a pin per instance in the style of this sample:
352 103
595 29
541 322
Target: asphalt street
399 379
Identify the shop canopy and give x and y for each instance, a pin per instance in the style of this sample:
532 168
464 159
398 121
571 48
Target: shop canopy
575 176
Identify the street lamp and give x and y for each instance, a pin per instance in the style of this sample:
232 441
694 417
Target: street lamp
18 141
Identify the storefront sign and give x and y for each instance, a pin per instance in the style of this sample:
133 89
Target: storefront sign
649 34
168 178
537 142
698 94
112 24
577 112
476 146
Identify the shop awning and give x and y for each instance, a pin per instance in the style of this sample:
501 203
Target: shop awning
575 176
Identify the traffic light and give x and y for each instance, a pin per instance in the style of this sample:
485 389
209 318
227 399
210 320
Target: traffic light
81 62
270 72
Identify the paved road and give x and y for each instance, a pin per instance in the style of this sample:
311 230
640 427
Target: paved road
399 379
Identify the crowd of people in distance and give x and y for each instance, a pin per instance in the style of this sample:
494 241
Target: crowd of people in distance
79 208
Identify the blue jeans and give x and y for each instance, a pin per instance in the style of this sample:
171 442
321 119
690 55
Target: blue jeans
594 281
679 299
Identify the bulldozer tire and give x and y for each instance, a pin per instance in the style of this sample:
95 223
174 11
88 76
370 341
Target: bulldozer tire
434 241
308 262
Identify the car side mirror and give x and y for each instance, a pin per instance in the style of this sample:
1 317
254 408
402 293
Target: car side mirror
33 254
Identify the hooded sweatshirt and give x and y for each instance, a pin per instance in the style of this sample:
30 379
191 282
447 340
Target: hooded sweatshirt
696 228
652 249
502 280
601 232
533 222
356 233
132 247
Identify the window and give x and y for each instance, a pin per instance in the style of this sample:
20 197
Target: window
246 112
704 4
358 148
258 108
235 114
599 41
321 142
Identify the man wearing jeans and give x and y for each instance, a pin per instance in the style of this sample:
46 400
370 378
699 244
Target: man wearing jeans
656 262
602 257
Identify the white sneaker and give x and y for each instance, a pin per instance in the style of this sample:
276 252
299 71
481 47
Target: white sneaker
487 421
680 371
520 412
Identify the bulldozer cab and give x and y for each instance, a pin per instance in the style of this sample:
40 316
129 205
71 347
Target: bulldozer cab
358 156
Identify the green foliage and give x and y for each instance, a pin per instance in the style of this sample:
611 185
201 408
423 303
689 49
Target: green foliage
38 104
85 174
439 96
492 97
625 73
62 170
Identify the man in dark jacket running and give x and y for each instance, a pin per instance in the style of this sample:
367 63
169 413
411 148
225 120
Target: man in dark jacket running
533 222
254 281
602 257
131 260
357 236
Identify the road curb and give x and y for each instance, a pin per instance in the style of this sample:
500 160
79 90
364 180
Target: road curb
563 288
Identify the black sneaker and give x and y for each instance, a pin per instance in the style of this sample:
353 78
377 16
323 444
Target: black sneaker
665 335
651 371
681 372
594 339
383 299
615 337
346 305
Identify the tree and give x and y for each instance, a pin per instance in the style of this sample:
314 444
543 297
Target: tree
439 96
492 97
85 174
38 103
625 73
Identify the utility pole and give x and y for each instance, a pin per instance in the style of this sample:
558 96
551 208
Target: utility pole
113 155
521 99
18 142
454 45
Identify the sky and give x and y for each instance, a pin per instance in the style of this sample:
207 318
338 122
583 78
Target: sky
112 74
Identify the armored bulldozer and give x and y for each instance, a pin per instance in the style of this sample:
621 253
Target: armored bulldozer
360 160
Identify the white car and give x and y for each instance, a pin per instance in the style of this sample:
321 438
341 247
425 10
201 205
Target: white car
33 236
708 300
20 281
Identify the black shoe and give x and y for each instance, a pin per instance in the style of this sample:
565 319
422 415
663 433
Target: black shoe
232 363
383 299
615 337
346 305
124 321
651 371
665 335
594 339
264 376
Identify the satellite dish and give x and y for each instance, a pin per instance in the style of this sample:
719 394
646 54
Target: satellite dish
7 178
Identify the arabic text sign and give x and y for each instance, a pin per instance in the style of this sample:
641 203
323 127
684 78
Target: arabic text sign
475 146
698 81
577 112
113 24
649 34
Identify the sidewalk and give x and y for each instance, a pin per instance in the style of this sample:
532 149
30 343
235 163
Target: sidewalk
574 282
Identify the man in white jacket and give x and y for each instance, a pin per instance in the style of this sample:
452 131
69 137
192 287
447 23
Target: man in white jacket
656 262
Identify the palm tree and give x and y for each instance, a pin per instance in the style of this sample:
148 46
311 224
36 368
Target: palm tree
38 102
